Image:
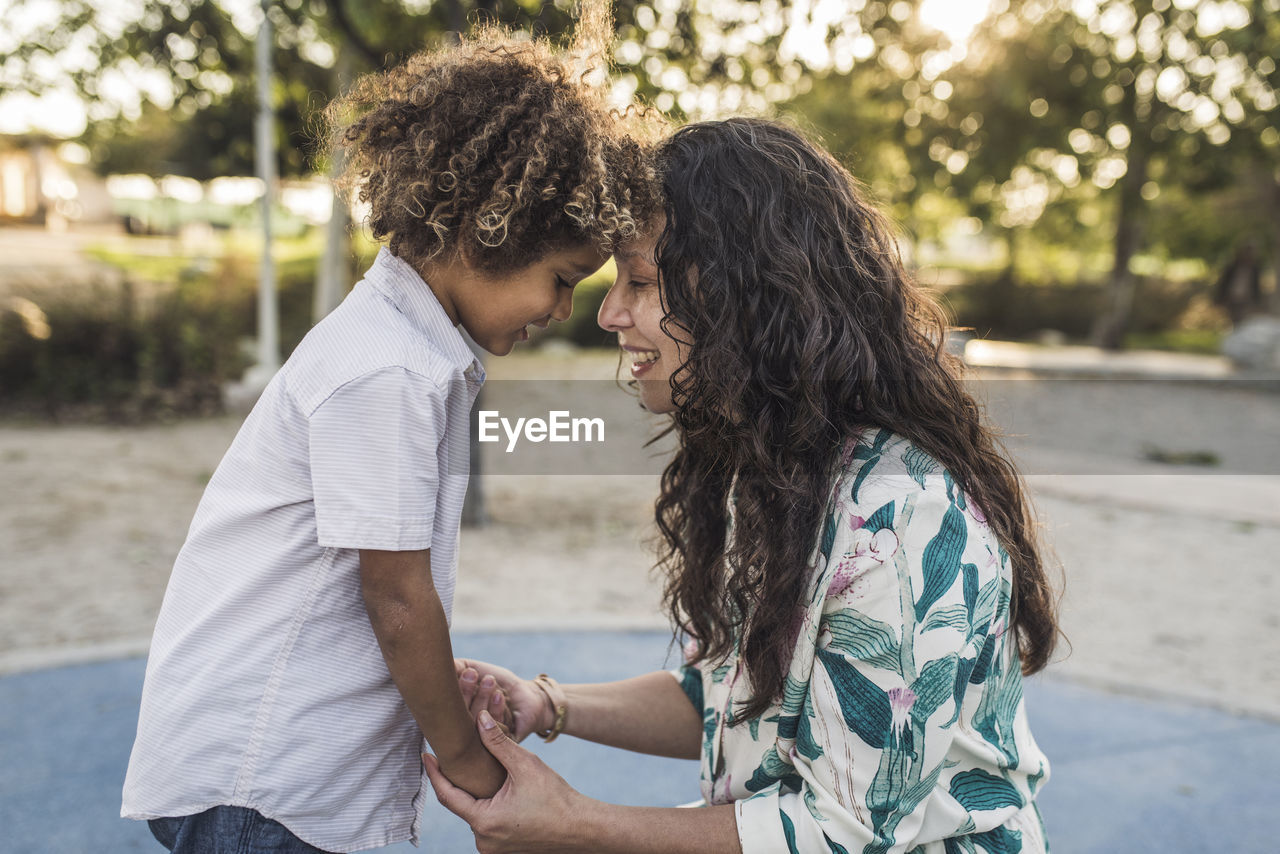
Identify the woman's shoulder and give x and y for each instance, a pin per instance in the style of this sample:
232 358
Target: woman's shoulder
889 492
877 465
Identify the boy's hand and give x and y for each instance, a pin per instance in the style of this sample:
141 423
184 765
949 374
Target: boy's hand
474 770
519 705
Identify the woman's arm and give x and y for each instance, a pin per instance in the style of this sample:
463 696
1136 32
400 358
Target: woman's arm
646 714
537 811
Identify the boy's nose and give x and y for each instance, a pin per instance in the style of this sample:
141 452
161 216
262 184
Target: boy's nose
564 305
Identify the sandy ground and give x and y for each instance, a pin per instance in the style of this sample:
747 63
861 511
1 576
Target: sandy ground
1169 570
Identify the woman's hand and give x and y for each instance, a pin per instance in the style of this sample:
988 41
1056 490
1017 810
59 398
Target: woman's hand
535 810
519 705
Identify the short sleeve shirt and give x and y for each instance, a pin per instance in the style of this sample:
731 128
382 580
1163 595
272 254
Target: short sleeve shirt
265 685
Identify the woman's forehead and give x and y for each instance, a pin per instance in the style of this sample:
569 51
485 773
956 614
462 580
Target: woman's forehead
639 252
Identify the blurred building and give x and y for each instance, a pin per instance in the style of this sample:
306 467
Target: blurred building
40 185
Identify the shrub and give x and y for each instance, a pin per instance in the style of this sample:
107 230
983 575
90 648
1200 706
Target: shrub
104 352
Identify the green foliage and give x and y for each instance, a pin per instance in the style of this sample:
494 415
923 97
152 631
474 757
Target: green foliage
1167 314
109 353
122 354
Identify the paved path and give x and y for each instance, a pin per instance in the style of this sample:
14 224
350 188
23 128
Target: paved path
1129 775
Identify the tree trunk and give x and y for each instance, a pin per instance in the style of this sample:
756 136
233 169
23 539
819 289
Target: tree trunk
1113 322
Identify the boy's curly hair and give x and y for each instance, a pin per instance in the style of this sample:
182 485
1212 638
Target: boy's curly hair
495 148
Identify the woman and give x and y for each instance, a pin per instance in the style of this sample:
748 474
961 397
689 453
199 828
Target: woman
850 554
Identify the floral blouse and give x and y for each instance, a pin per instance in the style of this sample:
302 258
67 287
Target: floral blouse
902 726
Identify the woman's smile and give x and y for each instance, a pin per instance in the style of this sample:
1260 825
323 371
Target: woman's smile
641 359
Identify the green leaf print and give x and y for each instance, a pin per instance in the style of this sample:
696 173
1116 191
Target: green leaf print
691 684
717 675
942 560
811 802
999 707
934 687
988 600
836 847
978 790
953 616
999 840
806 746
882 518
866 452
865 707
887 792
1034 780
919 464
772 770
871 456
794 693
828 536
970 572
983 662
862 637
963 668
789 831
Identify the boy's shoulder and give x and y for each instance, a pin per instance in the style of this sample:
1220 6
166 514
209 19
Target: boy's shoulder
364 335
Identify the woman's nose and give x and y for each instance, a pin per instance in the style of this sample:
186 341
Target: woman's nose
613 313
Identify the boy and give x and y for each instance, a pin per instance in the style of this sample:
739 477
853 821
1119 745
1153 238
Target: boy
302 651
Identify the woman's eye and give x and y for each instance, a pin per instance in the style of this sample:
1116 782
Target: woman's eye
564 283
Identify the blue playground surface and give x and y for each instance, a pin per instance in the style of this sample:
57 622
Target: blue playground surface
1129 775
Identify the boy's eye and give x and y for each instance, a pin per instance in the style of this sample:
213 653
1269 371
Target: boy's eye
564 283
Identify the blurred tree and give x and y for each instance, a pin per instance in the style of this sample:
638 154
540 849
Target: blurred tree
192 61
865 105
1089 102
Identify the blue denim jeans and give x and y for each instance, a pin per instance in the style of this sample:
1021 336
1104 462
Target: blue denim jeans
227 830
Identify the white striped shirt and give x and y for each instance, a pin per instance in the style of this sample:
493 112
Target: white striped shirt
265 686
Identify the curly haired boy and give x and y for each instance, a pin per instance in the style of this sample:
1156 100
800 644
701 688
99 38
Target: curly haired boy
302 651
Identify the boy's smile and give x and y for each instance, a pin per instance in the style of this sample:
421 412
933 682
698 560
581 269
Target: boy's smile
497 309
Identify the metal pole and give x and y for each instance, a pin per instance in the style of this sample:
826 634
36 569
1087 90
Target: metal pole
268 319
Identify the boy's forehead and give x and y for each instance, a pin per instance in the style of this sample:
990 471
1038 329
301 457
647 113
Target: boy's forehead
584 259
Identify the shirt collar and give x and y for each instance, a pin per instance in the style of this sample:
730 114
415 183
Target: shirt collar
396 280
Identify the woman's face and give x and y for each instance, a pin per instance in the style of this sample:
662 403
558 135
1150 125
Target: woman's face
633 309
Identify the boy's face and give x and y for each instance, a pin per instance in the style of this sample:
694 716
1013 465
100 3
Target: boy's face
498 309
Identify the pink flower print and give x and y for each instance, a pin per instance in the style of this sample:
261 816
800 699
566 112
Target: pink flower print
846 453
974 510
869 551
690 650
900 702
856 522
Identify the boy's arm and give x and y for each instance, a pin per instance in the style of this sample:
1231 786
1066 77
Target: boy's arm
410 625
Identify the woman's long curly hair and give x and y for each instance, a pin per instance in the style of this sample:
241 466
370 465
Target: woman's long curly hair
803 330
498 147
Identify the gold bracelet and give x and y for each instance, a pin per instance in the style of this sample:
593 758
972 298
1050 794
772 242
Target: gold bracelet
552 689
